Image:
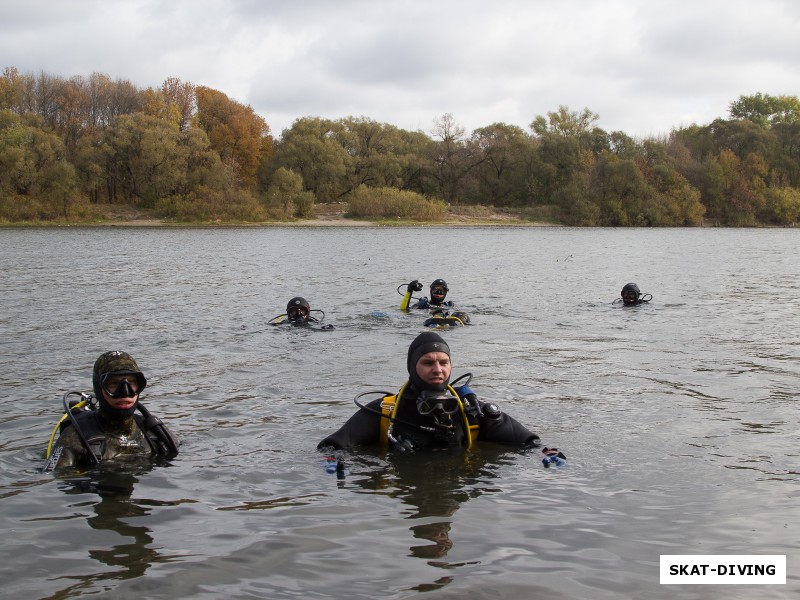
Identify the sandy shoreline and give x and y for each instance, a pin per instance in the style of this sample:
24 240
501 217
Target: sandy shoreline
318 223
326 215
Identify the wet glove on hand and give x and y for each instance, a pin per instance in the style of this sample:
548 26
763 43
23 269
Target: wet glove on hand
401 445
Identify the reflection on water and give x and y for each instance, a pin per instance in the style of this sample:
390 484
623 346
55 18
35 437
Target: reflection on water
433 486
679 417
129 551
113 511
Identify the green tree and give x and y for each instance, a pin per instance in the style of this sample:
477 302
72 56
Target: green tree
713 187
577 207
310 149
565 123
766 110
149 158
678 201
621 192
453 158
375 150
786 158
286 194
417 172
501 175
36 181
560 163
742 138
568 141
89 160
783 205
745 188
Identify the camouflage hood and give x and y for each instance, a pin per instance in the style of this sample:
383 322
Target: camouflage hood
115 362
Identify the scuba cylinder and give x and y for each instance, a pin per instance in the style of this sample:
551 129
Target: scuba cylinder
413 286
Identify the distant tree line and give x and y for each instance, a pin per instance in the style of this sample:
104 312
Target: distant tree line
191 153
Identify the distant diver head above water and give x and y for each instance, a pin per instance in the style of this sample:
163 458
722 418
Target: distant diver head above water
630 294
439 290
428 362
298 310
116 380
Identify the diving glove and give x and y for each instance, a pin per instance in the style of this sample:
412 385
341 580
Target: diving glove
414 286
402 445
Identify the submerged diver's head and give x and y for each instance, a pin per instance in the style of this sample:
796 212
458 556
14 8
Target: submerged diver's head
117 382
439 290
428 362
630 293
298 310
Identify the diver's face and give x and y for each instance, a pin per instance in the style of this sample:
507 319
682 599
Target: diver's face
297 314
438 294
629 297
434 368
125 390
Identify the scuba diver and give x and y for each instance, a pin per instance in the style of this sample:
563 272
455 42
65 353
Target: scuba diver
298 312
438 291
430 412
631 296
440 317
103 426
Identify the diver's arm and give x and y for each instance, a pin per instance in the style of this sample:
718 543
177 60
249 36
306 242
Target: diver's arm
493 424
496 426
362 429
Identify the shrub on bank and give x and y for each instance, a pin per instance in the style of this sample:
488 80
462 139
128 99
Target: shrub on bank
391 203
211 205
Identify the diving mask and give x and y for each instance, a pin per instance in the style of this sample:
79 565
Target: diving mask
123 385
630 296
297 313
436 402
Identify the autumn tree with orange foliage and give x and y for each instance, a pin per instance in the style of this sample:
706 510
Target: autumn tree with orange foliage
240 136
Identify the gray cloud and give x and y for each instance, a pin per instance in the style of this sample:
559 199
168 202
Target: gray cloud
644 67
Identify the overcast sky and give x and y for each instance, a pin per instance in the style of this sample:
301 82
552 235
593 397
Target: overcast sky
644 66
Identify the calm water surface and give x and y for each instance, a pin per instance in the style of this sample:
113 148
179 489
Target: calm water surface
679 417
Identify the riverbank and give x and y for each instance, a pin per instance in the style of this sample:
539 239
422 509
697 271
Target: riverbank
325 215
334 215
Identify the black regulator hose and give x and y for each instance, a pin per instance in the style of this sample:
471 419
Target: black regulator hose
77 427
390 418
164 435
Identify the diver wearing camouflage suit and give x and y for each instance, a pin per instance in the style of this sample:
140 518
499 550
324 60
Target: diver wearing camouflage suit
113 431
